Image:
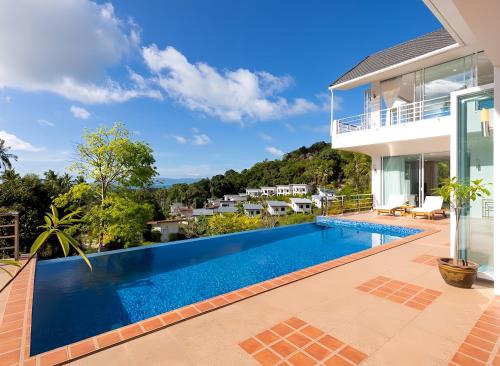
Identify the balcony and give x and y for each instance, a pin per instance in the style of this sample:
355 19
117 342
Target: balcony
419 127
397 116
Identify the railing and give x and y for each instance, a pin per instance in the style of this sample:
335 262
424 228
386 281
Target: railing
349 203
400 115
9 221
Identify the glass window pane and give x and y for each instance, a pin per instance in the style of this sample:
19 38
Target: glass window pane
441 80
484 69
475 161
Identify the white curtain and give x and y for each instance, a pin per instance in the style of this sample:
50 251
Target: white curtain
394 177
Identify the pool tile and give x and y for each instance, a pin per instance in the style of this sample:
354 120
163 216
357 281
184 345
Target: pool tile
54 357
267 357
311 332
108 339
336 360
352 354
204 306
282 329
188 311
295 322
9 358
152 324
170 318
251 345
81 348
482 344
317 351
331 342
298 339
301 359
283 348
403 293
267 337
130 331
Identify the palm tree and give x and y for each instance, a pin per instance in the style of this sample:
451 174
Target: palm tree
5 157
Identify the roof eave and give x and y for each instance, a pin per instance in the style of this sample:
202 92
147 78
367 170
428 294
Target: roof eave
375 76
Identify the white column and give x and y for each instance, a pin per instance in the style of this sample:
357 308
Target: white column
496 180
377 180
453 165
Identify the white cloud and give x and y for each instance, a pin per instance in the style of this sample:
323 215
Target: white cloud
65 47
198 138
186 171
230 95
15 143
275 151
44 122
265 137
180 139
79 112
201 139
289 127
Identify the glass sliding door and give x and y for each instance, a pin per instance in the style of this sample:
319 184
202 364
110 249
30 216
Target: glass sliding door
402 176
436 168
475 161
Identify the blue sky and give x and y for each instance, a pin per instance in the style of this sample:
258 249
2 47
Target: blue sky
210 85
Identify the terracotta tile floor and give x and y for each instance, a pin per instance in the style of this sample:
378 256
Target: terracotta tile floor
295 342
404 293
430 260
482 346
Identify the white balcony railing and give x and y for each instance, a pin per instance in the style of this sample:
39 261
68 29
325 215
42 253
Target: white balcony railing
400 115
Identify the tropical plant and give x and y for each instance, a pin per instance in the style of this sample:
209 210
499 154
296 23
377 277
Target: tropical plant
230 223
54 227
5 156
8 262
460 194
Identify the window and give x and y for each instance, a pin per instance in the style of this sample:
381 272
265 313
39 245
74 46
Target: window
307 206
442 79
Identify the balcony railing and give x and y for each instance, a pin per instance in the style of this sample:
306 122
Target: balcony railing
400 115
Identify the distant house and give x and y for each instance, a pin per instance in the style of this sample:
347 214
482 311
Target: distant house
301 204
165 227
197 212
326 192
300 189
276 208
185 212
175 207
253 192
235 197
253 209
226 209
227 203
283 190
268 191
318 200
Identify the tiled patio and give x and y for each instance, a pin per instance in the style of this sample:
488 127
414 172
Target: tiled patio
388 308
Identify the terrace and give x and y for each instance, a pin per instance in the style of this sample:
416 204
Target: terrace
384 306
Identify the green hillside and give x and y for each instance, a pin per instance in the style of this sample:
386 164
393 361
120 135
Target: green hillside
317 165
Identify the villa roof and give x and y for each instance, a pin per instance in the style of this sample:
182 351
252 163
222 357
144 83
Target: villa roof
402 52
227 210
253 206
300 200
202 212
277 203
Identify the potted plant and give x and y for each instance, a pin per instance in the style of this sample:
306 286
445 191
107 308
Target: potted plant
456 271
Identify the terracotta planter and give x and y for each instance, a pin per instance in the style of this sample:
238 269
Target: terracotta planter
458 274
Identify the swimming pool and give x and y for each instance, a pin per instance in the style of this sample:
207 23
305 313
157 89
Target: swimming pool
71 303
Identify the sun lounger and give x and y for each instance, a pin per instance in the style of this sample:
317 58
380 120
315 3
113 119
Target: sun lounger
395 201
432 205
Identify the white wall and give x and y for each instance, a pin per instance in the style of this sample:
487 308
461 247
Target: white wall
377 180
496 179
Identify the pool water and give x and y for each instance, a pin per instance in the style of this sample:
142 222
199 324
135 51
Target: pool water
72 303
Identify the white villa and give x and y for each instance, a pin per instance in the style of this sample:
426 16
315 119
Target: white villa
253 209
318 199
283 190
268 191
276 208
253 192
300 189
226 209
235 197
430 108
301 204
202 212
165 227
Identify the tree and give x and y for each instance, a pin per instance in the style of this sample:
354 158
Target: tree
357 171
108 158
5 156
230 223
